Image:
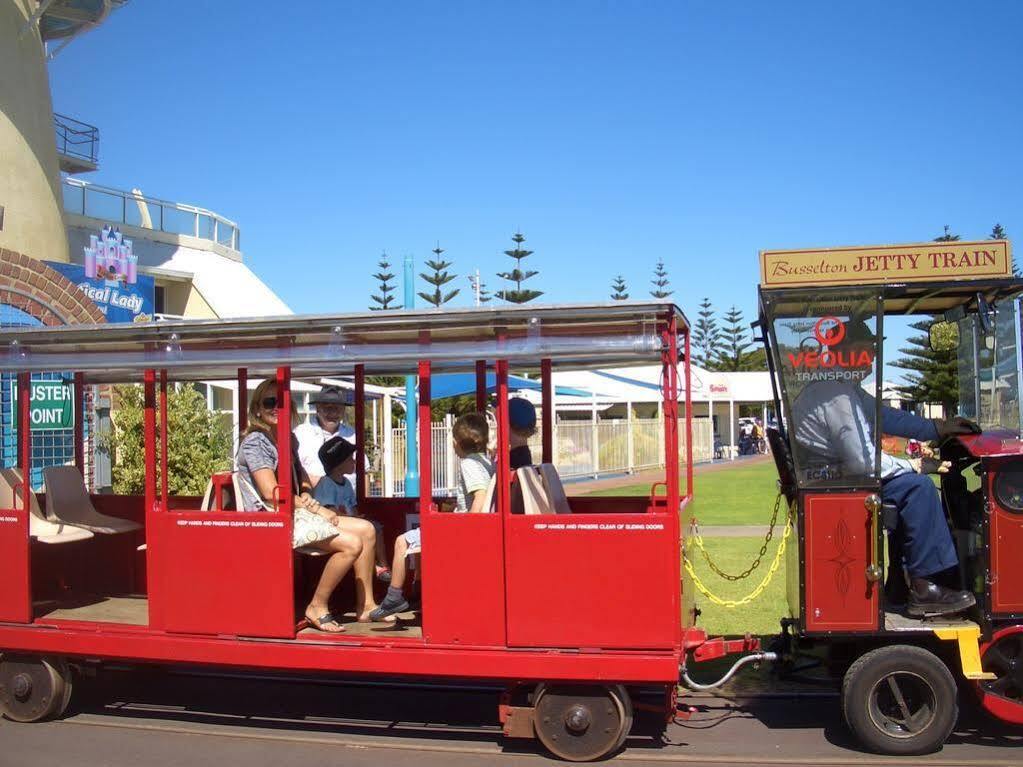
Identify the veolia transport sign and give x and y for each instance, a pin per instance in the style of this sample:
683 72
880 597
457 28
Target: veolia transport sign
51 405
929 261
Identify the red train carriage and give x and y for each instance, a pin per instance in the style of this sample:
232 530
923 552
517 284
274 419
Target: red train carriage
899 689
544 603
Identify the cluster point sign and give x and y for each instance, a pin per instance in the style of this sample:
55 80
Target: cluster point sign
51 405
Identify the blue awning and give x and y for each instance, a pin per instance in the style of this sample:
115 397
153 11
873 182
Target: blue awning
457 384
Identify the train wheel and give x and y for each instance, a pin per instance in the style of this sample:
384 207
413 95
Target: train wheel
900 700
1003 656
580 723
33 689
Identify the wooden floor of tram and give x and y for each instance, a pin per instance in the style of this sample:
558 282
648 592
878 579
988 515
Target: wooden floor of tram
134 611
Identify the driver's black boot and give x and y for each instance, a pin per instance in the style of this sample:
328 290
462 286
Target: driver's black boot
927 598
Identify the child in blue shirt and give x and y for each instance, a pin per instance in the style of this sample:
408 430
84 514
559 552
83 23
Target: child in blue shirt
333 490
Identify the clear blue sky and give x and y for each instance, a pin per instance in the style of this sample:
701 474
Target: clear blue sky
611 133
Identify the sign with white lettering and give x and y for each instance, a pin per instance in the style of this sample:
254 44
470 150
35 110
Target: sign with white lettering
930 261
51 405
119 298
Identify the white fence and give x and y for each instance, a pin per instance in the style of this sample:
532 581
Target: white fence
581 448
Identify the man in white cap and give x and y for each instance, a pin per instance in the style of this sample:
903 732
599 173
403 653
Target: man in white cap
329 422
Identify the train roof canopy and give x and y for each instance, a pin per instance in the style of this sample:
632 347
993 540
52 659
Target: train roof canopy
385 342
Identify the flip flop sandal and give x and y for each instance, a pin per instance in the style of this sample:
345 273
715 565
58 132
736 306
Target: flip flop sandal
325 620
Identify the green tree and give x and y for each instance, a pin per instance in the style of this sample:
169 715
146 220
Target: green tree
660 281
384 277
998 233
619 290
706 336
438 279
933 376
734 352
198 441
517 275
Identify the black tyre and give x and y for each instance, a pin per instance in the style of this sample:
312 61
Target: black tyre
900 700
33 689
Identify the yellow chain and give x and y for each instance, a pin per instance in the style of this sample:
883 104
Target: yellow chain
760 587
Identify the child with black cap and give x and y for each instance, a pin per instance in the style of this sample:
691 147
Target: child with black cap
335 491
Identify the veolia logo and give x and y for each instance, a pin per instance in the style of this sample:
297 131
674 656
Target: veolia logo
829 331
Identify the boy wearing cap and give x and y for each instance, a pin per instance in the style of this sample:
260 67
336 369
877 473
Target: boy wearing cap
522 425
470 434
335 491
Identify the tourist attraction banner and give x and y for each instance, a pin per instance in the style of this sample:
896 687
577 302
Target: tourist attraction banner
109 277
987 259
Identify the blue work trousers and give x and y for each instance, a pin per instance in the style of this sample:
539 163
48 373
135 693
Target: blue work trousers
921 530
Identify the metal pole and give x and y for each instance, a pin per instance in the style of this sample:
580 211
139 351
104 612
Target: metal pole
411 451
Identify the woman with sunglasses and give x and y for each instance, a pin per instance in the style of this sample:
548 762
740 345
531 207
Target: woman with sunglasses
347 540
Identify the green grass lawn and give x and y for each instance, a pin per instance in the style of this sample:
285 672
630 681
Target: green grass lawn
734 555
739 495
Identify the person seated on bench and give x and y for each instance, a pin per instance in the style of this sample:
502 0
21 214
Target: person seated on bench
349 541
336 492
470 435
830 424
522 426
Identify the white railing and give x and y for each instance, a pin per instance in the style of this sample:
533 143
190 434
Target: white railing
136 209
621 448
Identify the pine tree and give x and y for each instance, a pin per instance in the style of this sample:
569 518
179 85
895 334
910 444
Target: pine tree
998 233
517 275
384 277
660 281
933 376
619 291
438 279
485 296
735 353
706 336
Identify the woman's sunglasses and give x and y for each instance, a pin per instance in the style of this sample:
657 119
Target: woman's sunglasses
269 402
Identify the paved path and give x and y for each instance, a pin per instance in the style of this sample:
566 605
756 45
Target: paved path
200 722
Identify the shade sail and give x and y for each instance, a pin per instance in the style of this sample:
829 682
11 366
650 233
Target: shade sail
457 384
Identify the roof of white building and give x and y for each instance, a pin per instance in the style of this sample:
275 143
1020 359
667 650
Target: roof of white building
230 288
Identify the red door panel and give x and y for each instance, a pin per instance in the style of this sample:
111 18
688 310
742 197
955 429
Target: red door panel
463 579
1006 562
592 580
15 588
224 573
839 542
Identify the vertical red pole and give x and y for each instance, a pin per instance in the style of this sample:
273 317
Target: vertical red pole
25 437
425 440
689 420
284 489
243 401
153 570
547 384
481 386
669 377
163 438
360 433
78 408
149 426
503 460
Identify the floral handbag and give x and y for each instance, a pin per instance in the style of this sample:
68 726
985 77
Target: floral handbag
309 529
